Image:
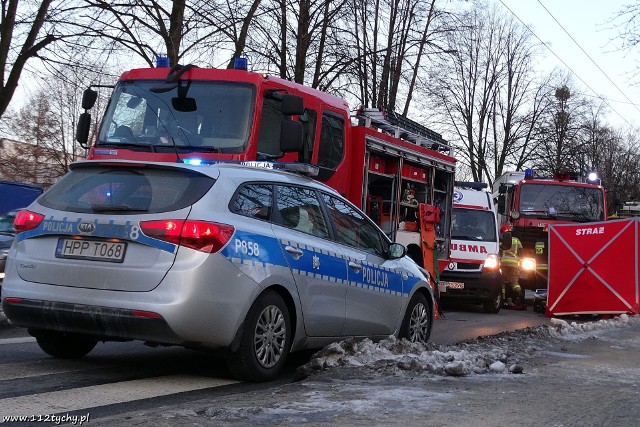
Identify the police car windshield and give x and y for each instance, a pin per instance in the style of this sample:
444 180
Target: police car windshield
473 224
561 202
207 115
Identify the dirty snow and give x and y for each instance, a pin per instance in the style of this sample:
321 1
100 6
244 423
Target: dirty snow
501 354
394 382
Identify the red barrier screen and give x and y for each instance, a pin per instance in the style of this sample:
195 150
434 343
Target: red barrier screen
593 268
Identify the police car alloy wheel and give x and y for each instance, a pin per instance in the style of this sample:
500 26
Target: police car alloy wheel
270 336
416 326
265 340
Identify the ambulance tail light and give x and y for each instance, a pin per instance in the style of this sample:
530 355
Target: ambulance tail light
202 236
27 220
491 263
528 264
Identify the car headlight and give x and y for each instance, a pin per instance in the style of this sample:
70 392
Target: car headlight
492 262
528 264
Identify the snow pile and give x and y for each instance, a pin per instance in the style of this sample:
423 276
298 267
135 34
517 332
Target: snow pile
499 354
580 330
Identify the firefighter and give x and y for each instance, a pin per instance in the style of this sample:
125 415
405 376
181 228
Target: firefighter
510 265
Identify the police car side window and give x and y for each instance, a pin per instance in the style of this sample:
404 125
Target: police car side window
299 208
354 229
253 200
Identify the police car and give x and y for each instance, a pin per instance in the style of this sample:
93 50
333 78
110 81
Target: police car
251 261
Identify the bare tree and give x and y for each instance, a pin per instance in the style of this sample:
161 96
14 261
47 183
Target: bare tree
46 125
559 140
481 89
27 31
627 21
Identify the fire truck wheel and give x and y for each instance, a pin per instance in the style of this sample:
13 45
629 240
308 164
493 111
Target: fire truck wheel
493 305
417 322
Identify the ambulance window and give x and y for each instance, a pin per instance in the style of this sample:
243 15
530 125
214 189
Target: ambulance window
253 200
331 150
354 229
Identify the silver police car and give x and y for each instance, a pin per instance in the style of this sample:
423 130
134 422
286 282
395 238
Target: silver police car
253 262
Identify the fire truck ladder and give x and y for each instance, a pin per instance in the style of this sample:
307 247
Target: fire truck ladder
401 127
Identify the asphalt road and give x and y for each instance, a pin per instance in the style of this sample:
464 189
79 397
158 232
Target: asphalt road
117 379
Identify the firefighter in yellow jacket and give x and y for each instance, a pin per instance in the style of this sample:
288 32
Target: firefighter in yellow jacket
510 265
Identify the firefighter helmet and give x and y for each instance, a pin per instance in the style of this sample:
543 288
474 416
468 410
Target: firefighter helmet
505 227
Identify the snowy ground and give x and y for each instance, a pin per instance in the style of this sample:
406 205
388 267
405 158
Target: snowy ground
537 371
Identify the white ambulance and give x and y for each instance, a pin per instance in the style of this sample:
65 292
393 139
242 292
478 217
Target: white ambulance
473 274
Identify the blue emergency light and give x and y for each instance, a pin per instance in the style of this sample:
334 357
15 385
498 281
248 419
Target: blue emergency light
528 173
196 162
162 61
240 63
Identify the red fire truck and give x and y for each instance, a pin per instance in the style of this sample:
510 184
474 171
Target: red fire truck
530 204
386 164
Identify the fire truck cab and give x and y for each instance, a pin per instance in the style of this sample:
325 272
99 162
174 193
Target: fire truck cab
530 204
384 163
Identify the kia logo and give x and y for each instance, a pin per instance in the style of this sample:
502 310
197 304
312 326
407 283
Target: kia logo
86 227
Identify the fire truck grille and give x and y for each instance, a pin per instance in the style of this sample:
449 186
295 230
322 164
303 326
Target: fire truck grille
530 235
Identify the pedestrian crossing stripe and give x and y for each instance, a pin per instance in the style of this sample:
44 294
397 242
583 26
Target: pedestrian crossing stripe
78 399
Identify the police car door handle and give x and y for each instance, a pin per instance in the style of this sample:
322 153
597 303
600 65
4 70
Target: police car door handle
357 267
295 252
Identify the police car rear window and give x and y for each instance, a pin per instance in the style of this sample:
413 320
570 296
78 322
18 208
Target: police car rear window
123 190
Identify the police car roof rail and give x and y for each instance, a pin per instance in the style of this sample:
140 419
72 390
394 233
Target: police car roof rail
294 167
402 127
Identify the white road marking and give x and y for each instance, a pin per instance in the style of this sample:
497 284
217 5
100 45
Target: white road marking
77 399
47 366
21 340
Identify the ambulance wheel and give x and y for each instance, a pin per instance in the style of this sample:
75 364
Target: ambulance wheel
64 346
493 305
265 341
417 322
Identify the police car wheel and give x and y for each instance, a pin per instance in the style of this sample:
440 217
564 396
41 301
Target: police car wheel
265 340
64 346
493 305
416 326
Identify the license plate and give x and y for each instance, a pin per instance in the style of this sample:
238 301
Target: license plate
452 285
94 250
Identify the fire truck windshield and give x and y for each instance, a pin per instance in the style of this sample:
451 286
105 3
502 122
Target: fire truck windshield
561 202
191 116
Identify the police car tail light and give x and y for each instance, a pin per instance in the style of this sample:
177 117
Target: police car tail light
492 262
27 220
202 236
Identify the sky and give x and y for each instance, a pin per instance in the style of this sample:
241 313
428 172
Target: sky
581 36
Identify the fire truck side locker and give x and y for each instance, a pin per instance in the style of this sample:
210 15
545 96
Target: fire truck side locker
397 177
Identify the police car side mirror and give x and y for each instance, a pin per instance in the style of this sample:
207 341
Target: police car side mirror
505 241
396 250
